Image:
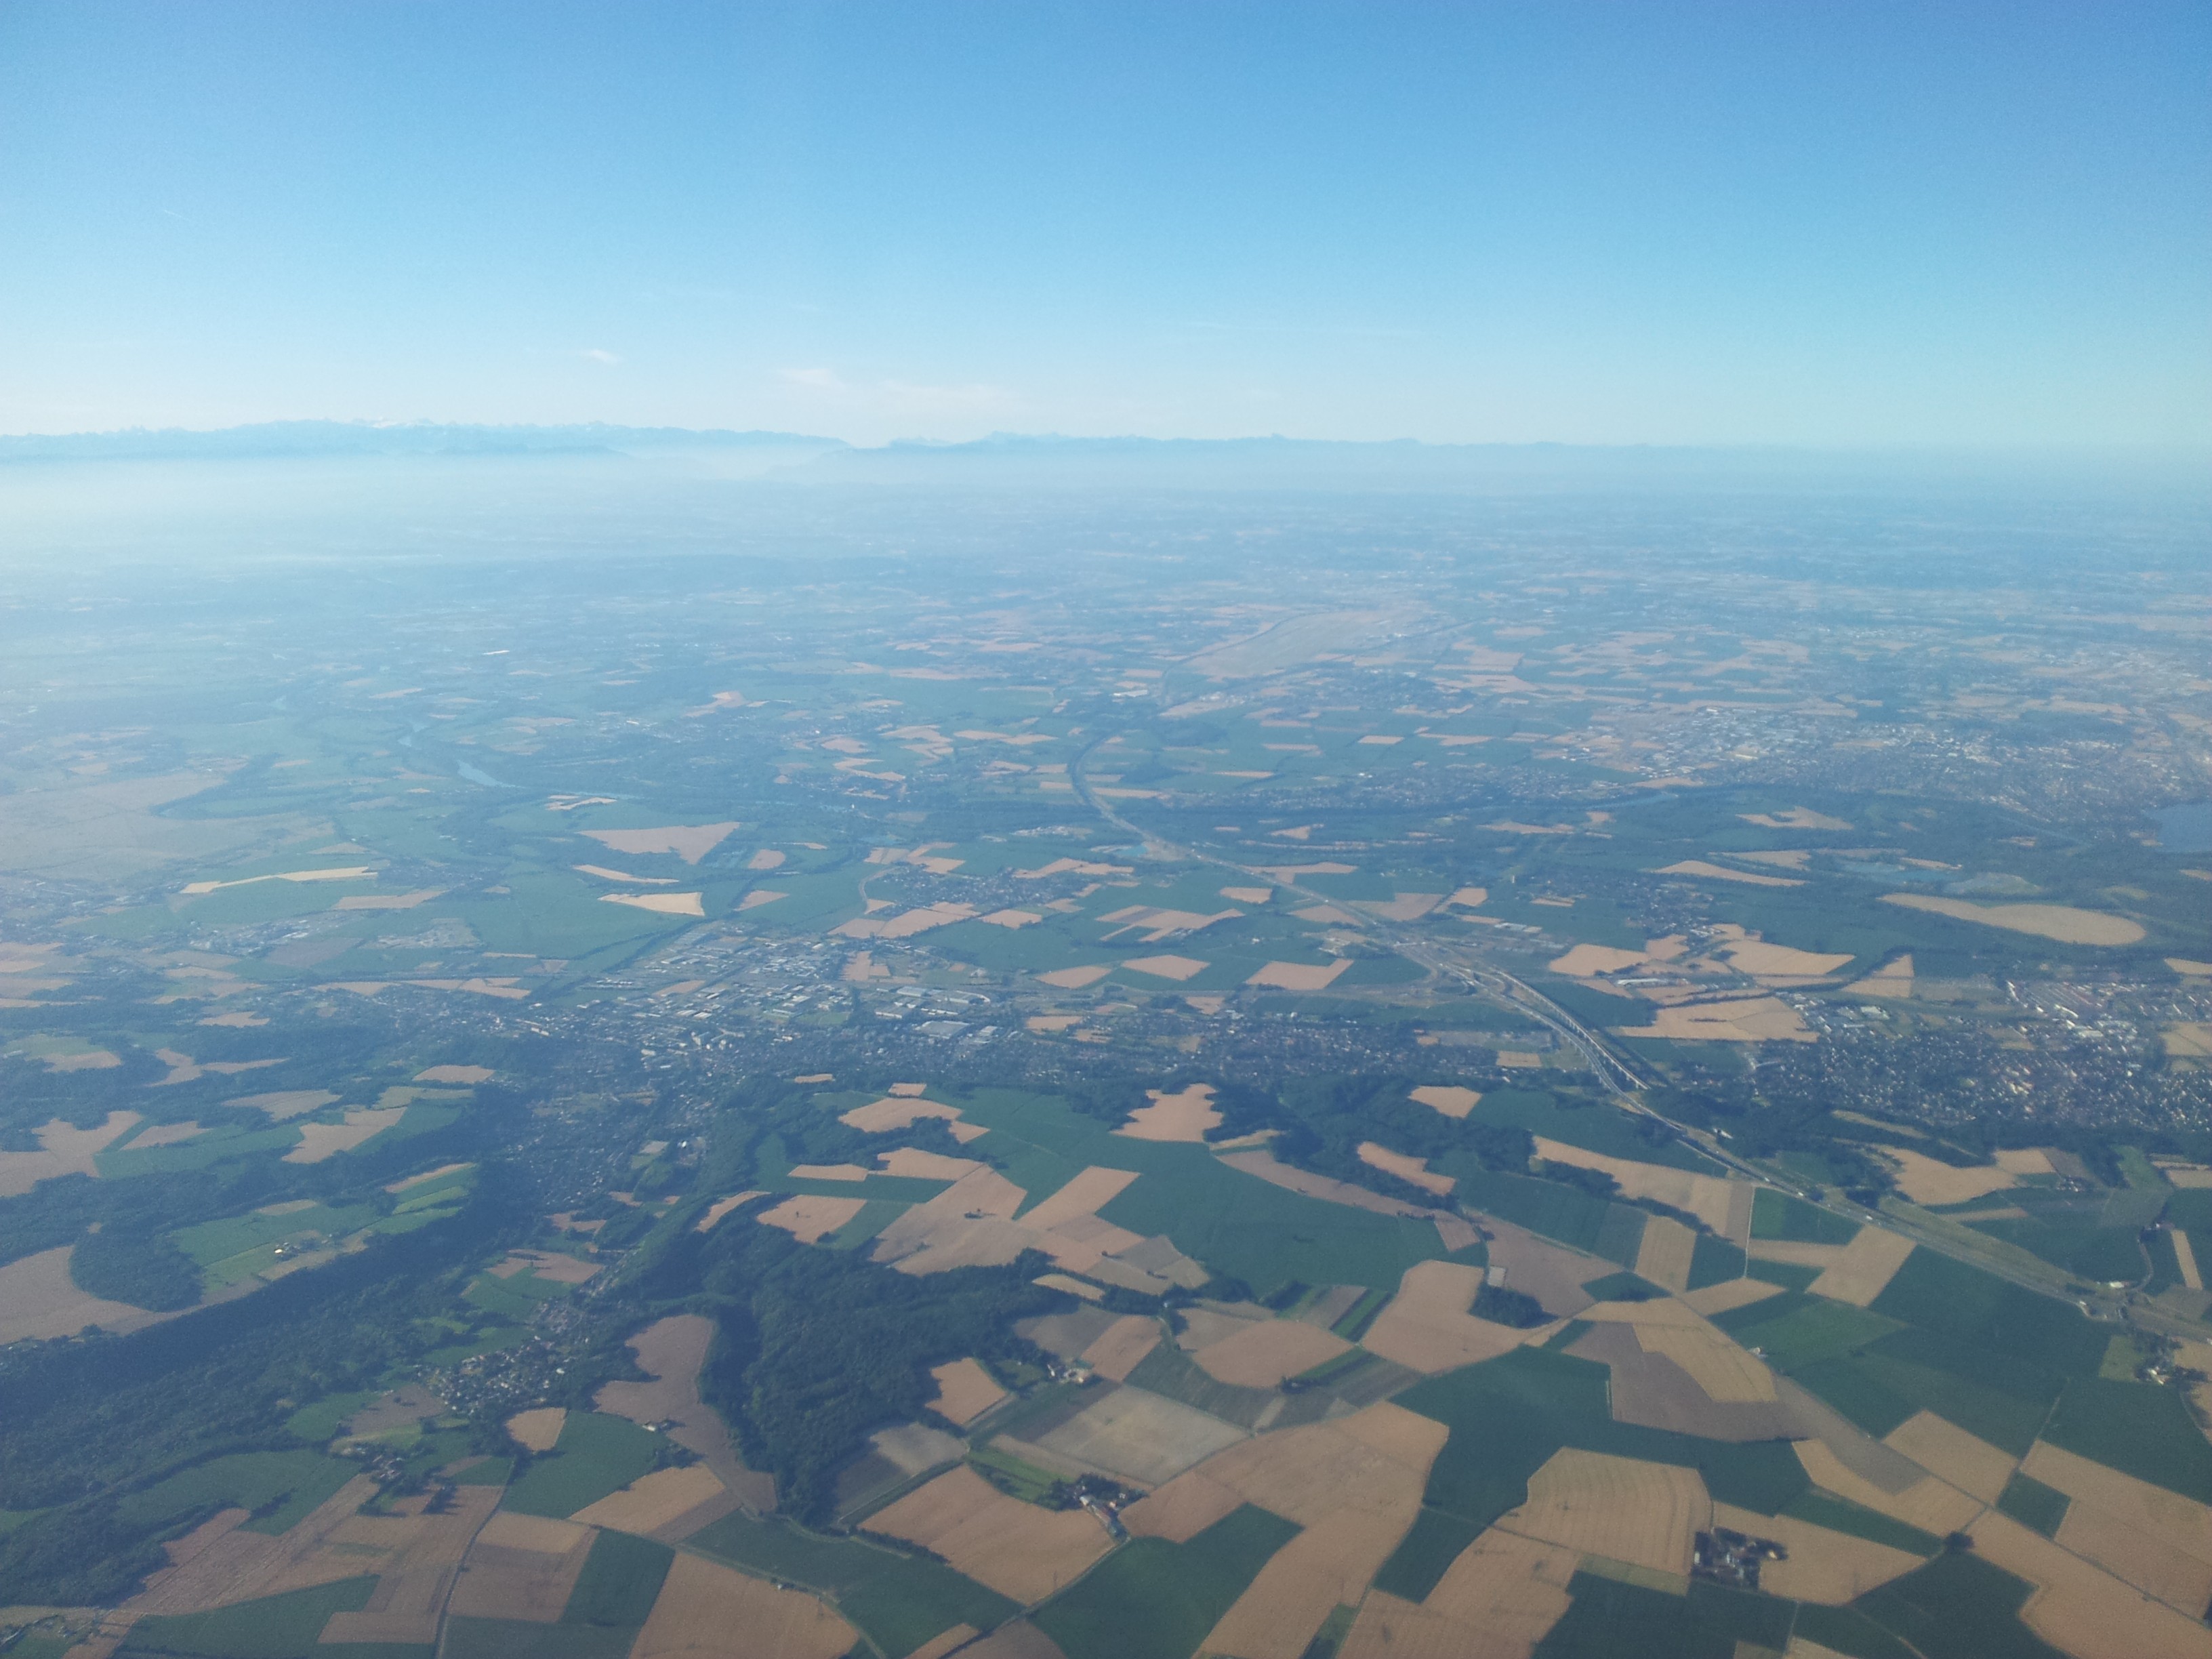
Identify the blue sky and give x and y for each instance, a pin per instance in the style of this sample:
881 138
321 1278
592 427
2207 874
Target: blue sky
1633 220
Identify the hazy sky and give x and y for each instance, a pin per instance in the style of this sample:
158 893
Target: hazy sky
1619 221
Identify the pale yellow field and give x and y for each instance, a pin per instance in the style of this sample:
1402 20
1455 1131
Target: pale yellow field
895 1111
1585 960
720 1207
1248 895
521 1566
321 1140
927 1166
1177 968
906 924
1449 1099
37 1298
424 1551
1703 1196
62 1150
1183 1117
1267 1351
538 1430
1073 979
1140 1436
1011 918
1015 1548
1664 1255
1329 1565
654 1500
1073 1287
1427 1327
1863 1270
2081 1608
1730 1293
689 842
1121 1346
1623 1508
1081 1196
351 872
1925 1181
1725 1371
703 1605
1295 977
1182 1509
2062 922
1930 1504
2189 969
1741 1019
1949 1453
964 1391
1716 872
168 1135
286 1102
1825 1566
464 1074
946 1642
1893 980
2188 1039
810 1219
1765 961
1414 1170
2156 1540
829 1172
667 904
550 1265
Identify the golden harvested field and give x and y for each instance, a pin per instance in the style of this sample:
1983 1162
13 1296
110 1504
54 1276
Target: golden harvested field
1414 1170
1140 1436
350 872
1863 1270
689 842
810 1219
1295 977
2155 1540
286 1102
970 1224
1931 1504
2188 1039
1741 1019
1716 872
1011 918
1183 1117
1664 1256
37 1298
1706 1197
62 1150
1177 968
218 1563
1248 895
2079 1607
1624 1508
703 1605
1265 1351
421 1561
1949 1453
760 895
606 874
2189 969
1730 1293
538 1430
1824 1566
1924 1181
1329 1565
1118 1348
1764 961
1586 961
1073 979
2062 922
521 1566
652 1501
1448 1099
927 1166
321 1140
667 904
828 1172
462 1075
1499 1600
1016 1549
1893 980
1089 1189
551 1266
722 1206
1725 1371
946 1642
1427 1326
1073 1287
964 1391
895 1111
1178 1511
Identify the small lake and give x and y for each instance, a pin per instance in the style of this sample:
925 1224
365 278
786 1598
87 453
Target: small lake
2187 828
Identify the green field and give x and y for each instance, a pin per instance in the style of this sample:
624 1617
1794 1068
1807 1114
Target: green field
274 1627
2032 1503
1607 1620
1957 1604
2137 1428
620 1581
898 1601
518 1638
1425 1553
1979 1310
1154 1599
1558 1211
596 1455
280 1488
1841 1514
1777 1215
1715 1261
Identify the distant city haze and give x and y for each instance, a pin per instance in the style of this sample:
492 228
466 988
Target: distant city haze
1669 223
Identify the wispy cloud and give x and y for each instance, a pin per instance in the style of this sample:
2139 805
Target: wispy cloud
598 354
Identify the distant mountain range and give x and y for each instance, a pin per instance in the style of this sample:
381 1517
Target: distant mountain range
1008 460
